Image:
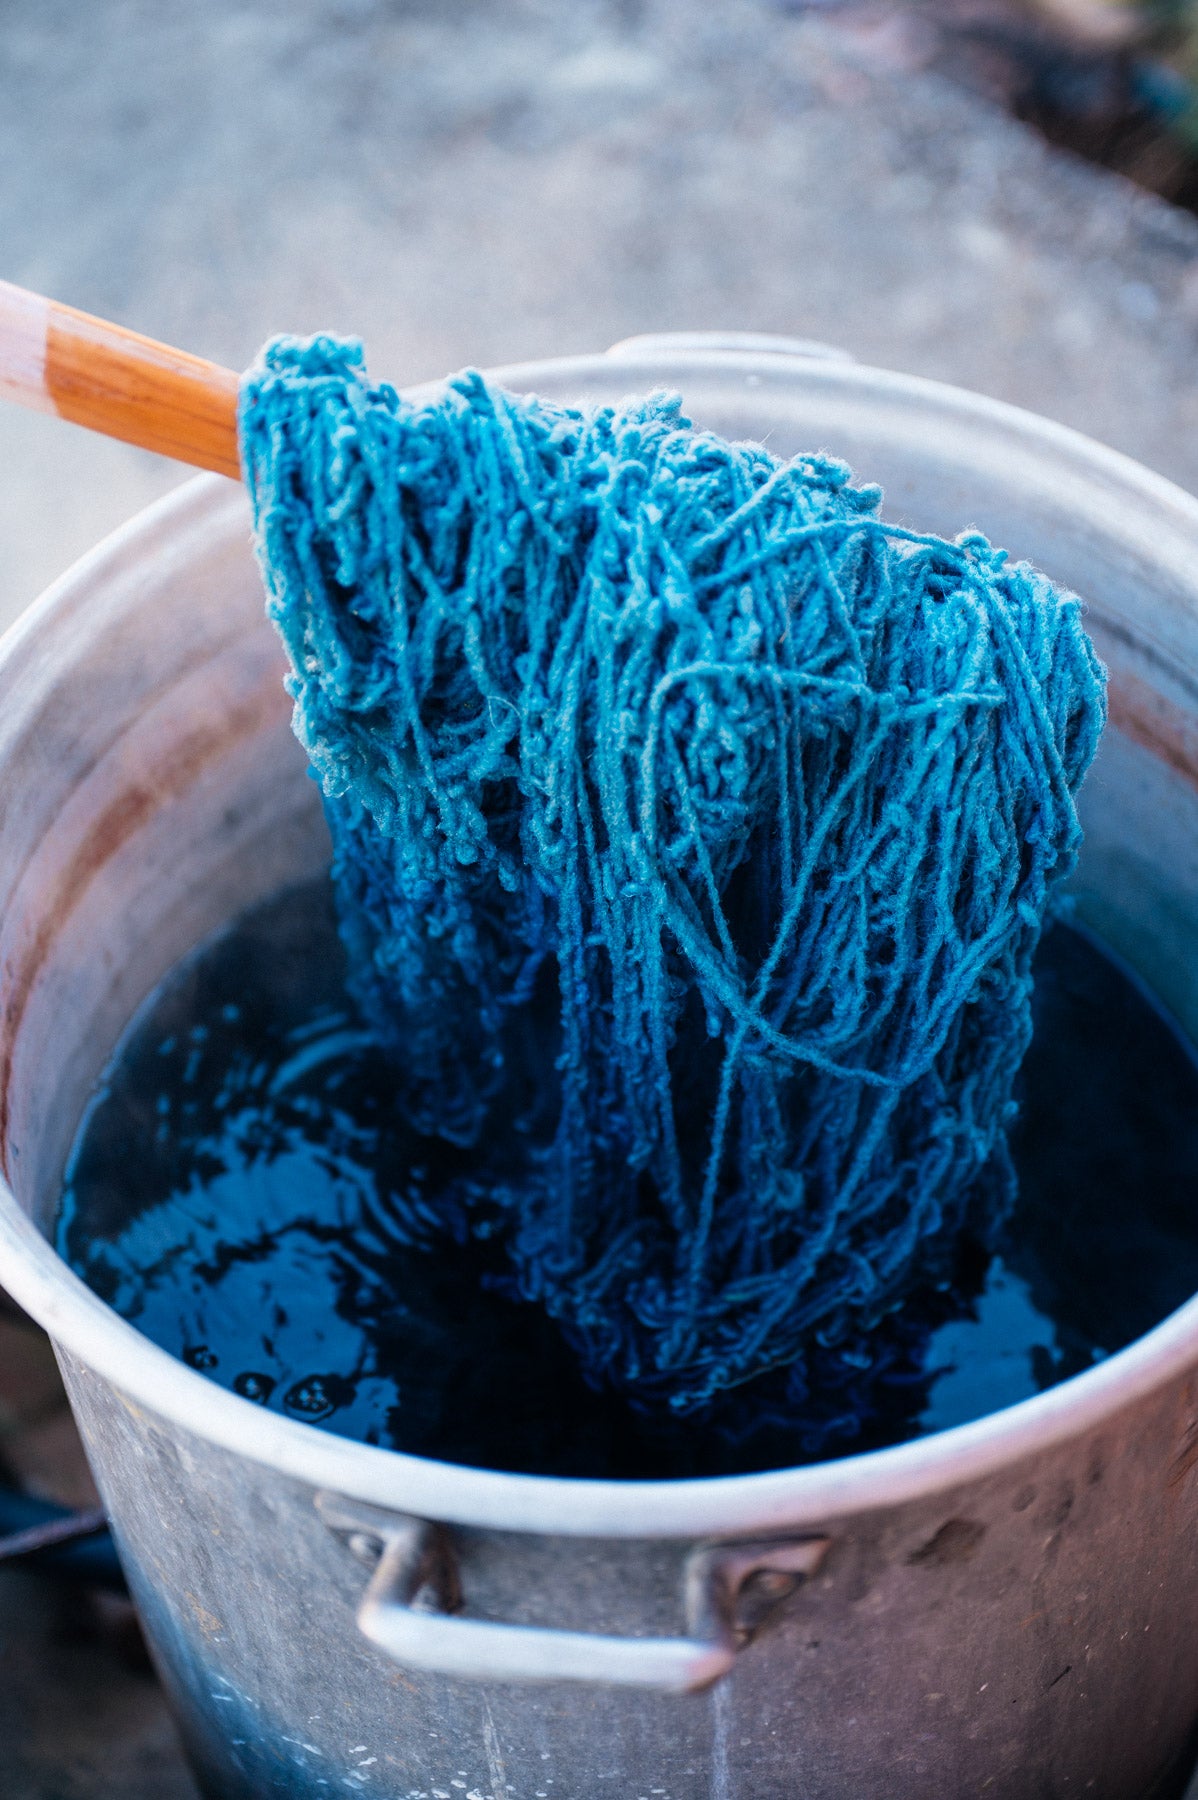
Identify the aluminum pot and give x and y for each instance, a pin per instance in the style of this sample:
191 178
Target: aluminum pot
1005 1609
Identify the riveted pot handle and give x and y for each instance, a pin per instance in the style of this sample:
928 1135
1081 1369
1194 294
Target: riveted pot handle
409 1605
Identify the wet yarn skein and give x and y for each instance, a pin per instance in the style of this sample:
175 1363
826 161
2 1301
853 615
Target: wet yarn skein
691 819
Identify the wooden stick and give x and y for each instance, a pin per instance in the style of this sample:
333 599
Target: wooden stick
57 360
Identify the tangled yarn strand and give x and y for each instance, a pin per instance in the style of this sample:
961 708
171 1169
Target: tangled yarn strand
690 822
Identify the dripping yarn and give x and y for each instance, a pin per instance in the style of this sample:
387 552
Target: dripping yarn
675 768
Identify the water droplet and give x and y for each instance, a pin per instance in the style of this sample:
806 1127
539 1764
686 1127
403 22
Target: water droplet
316 1396
253 1386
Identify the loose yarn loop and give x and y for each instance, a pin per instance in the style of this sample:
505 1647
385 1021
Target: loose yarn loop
689 820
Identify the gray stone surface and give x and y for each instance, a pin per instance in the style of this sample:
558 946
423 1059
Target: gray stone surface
491 180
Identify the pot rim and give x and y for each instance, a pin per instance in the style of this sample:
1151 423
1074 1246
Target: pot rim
148 1376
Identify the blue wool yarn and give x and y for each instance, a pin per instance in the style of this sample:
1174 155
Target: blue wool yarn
689 819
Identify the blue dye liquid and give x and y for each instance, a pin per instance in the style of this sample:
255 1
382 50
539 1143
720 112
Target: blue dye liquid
242 1191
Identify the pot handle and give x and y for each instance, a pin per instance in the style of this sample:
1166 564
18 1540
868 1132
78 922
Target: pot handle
731 1590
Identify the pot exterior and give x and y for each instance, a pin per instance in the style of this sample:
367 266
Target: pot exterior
1028 1637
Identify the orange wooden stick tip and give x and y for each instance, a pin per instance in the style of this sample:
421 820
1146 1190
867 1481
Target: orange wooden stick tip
93 373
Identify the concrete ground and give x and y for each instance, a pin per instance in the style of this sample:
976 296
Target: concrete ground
502 179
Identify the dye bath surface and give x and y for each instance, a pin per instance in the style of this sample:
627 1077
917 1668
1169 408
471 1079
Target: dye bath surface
243 1193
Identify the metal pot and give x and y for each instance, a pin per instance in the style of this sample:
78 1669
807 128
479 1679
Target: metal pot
1005 1609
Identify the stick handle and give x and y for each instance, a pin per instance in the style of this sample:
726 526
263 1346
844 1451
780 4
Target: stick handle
57 360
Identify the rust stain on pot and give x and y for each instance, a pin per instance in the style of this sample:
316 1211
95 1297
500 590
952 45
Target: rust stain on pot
1186 1456
208 1623
1164 730
172 775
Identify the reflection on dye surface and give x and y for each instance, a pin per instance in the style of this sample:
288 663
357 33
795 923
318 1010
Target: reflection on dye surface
243 1193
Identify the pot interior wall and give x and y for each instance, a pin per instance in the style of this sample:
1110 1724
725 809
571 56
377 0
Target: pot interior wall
156 789
159 792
